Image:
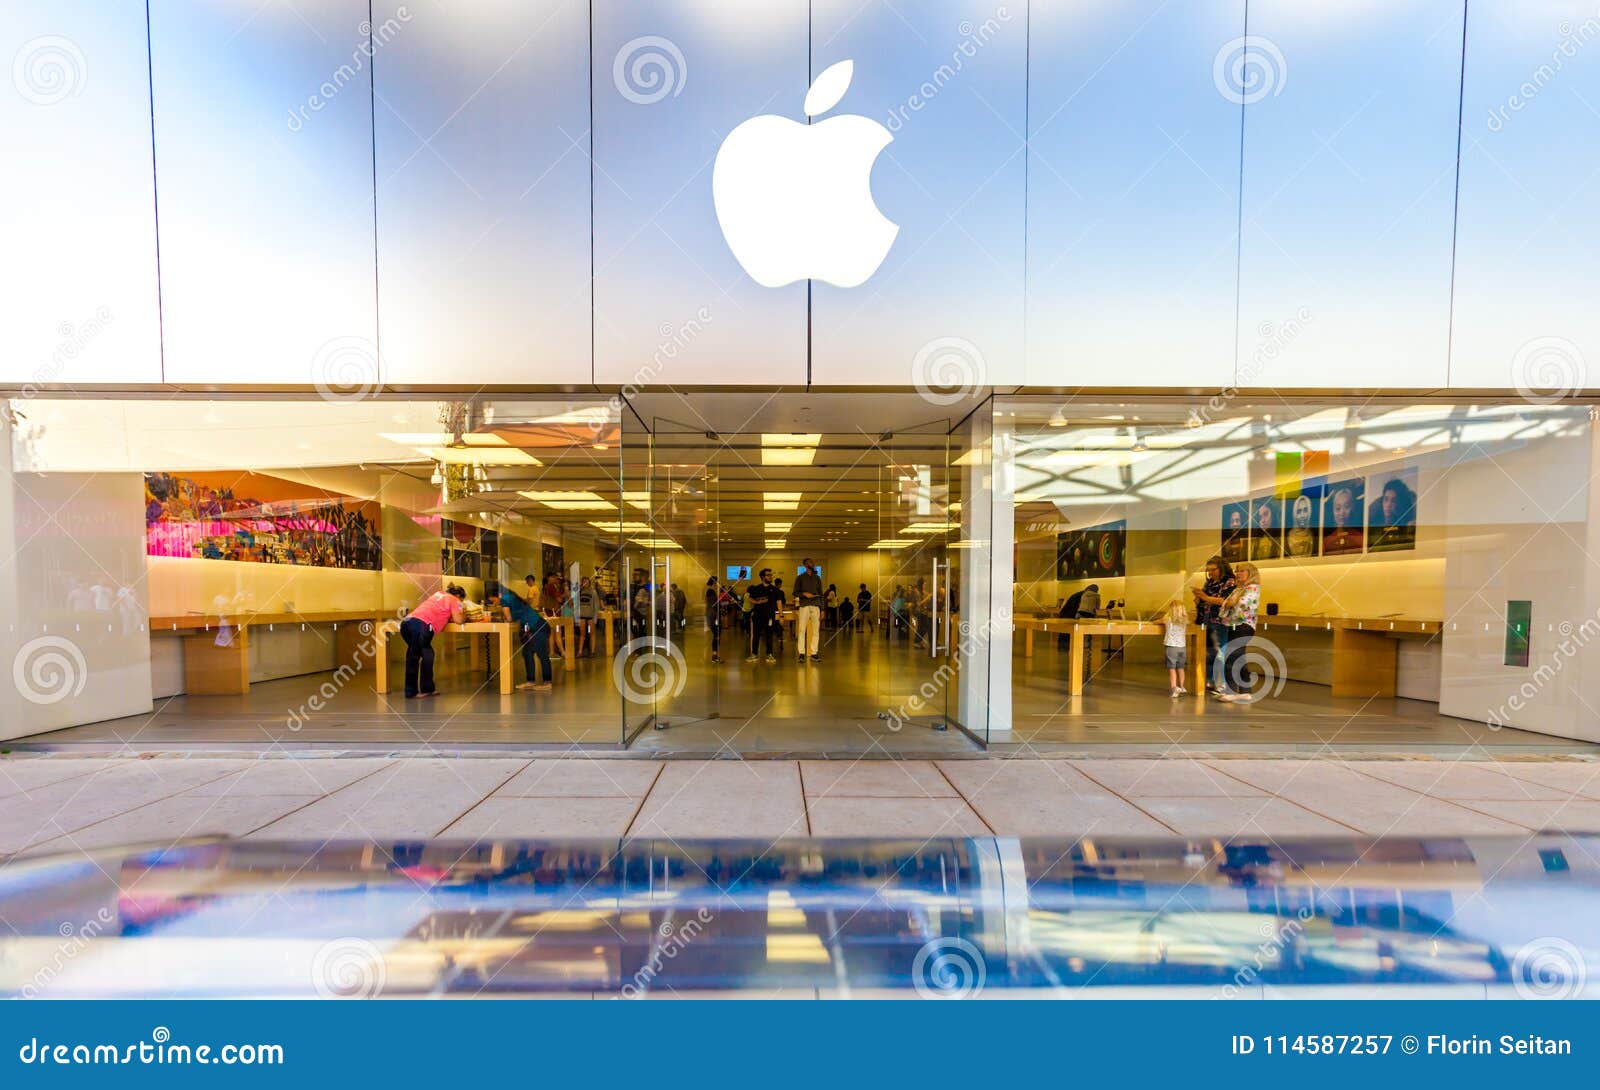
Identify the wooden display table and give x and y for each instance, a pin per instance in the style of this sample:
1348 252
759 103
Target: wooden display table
1080 629
607 619
505 630
1366 650
216 647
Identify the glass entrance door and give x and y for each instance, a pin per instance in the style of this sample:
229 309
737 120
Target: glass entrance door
684 542
917 511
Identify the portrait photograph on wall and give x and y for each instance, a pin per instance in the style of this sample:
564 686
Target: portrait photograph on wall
1235 532
1342 524
1392 514
1094 552
1266 528
259 519
1302 535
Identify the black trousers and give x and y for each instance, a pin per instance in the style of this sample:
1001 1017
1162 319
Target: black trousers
1233 679
762 626
419 655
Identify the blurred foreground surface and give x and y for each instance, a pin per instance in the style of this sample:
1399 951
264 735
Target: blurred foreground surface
1474 917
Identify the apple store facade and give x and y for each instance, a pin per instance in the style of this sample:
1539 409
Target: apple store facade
1028 325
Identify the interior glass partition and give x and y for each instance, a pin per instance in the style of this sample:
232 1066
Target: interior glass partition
1423 571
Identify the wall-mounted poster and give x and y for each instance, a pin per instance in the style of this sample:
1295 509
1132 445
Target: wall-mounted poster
1235 532
1266 528
256 518
1342 518
1302 536
1392 515
1095 552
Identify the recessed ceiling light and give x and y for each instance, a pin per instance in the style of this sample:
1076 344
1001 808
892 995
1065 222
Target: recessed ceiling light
803 456
790 439
480 456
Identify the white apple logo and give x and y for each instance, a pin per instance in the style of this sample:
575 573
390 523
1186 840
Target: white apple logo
795 201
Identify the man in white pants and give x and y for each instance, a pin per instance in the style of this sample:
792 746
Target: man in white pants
808 612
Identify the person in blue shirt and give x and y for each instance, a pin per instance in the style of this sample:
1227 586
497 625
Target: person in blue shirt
535 635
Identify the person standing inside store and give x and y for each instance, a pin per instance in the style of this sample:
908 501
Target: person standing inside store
783 602
1089 606
534 633
588 614
1238 612
714 617
808 594
763 599
418 630
864 604
638 605
1208 602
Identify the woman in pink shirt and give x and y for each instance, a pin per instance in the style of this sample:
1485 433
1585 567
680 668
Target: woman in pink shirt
418 630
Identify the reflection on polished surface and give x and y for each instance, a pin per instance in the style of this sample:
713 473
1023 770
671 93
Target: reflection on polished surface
942 916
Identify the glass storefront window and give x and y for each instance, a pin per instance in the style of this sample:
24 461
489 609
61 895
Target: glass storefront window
1379 549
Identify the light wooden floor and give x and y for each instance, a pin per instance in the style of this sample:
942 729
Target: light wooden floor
829 708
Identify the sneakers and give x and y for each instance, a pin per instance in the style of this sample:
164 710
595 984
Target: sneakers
772 660
816 658
544 687
1176 693
801 660
752 658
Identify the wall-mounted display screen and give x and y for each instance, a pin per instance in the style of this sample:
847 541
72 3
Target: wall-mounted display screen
1095 552
1519 624
256 518
738 573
